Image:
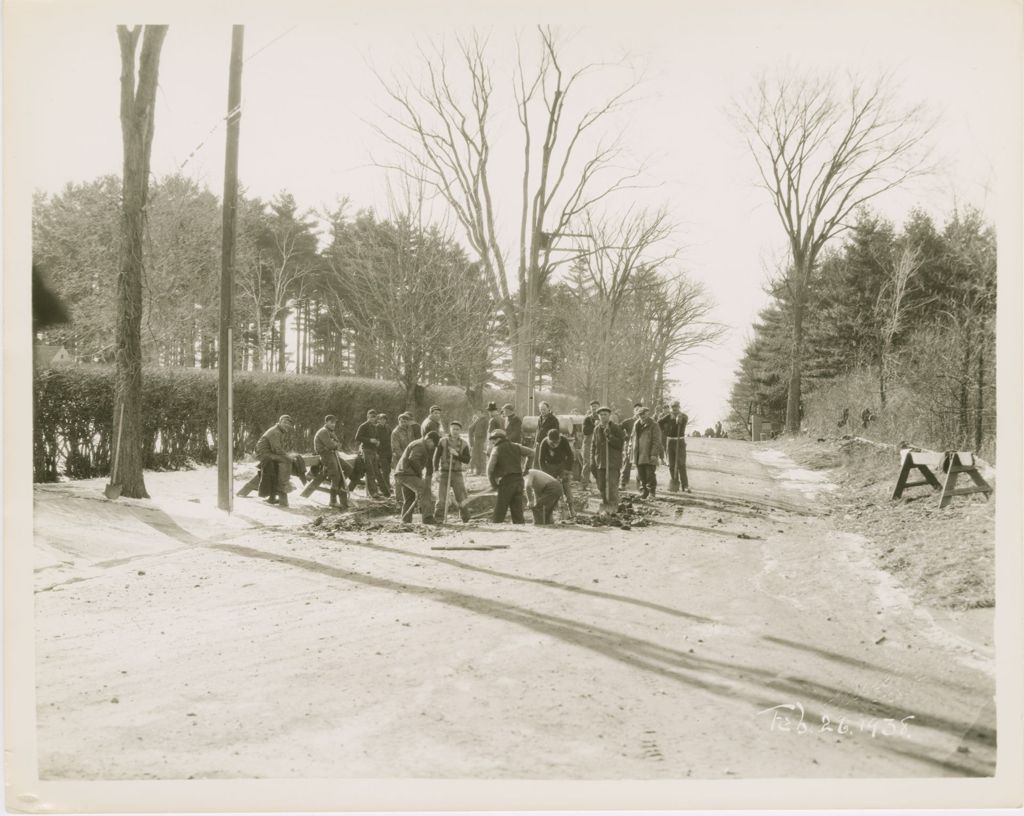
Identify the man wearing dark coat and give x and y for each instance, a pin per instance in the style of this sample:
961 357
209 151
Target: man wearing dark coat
505 473
673 428
402 434
432 422
513 425
645 449
606 458
383 433
627 430
546 421
450 456
556 458
369 452
275 461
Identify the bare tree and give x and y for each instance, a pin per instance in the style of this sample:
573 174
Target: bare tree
138 104
619 262
443 138
411 294
891 308
821 152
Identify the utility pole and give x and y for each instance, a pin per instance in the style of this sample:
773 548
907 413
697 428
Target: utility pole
225 356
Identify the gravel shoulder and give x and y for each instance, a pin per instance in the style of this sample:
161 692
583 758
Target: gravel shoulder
741 635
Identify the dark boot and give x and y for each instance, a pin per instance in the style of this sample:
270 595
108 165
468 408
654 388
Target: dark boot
283 500
464 513
272 498
334 498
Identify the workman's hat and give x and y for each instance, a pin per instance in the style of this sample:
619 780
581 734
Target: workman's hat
675 403
644 409
508 406
497 433
382 415
594 402
492 406
604 409
453 423
433 437
371 412
284 418
434 408
553 434
405 415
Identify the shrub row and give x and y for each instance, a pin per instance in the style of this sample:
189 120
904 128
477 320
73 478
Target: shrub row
72 427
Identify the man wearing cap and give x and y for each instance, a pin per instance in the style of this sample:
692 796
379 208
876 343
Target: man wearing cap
513 425
589 421
495 422
275 462
413 477
543 492
556 458
673 425
369 452
432 422
606 458
627 432
383 434
401 435
327 447
451 454
645 449
505 473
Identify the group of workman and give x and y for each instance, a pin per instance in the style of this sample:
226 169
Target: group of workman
412 453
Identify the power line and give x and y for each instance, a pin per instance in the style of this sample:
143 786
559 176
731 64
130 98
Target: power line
237 110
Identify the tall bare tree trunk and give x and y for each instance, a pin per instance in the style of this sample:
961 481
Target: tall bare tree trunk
282 348
138 102
796 364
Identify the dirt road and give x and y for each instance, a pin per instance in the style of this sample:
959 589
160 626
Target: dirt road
739 636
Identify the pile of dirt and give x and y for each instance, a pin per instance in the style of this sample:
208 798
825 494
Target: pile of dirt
945 558
627 516
329 526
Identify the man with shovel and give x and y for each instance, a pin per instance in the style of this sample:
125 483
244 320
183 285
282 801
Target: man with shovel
451 454
606 458
326 446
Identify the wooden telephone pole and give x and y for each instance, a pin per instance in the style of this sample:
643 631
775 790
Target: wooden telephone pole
225 356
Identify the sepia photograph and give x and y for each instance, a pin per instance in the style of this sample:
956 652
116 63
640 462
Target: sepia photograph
314 314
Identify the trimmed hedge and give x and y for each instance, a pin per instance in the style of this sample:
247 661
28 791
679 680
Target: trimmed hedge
73 416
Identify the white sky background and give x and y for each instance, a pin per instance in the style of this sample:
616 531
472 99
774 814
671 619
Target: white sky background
309 98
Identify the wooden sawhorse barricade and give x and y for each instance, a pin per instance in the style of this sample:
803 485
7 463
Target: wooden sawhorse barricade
952 463
316 480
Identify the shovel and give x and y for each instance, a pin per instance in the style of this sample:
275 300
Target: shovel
112 490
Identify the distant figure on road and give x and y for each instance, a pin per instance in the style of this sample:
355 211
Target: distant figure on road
543 492
275 461
505 473
645 449
606 458
449 457
413 477
327 447
589 421
673 426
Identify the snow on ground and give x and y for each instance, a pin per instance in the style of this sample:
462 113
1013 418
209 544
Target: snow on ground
810 483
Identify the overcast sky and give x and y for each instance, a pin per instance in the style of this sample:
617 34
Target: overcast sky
310 99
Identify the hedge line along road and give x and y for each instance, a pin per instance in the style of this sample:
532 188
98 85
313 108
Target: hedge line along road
740 635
